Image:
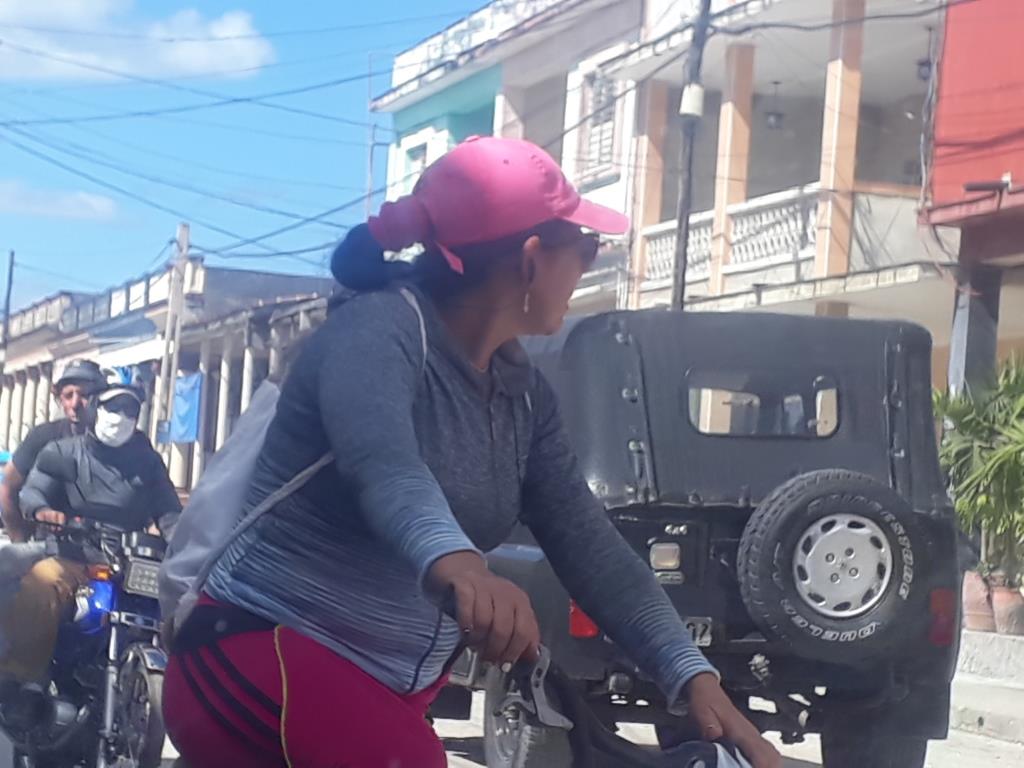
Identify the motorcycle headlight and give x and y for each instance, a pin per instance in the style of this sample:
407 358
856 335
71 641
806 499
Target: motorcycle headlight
141 579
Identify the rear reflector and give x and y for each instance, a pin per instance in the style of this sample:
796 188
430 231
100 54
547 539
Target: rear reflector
942 607
581 625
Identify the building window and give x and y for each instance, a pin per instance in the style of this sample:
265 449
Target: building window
598 139
415 164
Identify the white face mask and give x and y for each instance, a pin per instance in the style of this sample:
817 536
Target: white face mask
113 429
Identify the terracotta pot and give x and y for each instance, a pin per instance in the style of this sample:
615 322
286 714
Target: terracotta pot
977 604
1008 608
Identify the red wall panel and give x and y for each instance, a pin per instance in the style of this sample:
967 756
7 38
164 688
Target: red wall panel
979 118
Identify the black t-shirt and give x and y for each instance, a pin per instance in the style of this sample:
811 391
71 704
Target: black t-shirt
25 455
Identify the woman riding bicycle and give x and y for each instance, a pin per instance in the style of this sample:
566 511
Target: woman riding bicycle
320 640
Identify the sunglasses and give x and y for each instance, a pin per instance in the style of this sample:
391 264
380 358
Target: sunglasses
586 244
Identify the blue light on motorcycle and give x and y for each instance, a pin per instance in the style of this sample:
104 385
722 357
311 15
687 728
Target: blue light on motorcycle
93 603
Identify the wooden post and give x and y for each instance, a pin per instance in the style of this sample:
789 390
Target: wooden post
199 446
839 140
224 392
650 178
732 166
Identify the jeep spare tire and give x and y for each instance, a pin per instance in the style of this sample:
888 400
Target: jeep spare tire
827 565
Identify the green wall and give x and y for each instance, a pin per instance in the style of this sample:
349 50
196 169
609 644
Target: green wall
465 109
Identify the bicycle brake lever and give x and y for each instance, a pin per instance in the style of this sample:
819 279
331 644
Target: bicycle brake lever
531 696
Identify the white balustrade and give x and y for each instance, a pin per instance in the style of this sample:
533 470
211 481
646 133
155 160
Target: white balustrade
660 245
774 226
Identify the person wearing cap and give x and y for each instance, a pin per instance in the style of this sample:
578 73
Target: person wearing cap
322 636
117 468
79 379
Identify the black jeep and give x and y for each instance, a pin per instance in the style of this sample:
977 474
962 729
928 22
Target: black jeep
780 475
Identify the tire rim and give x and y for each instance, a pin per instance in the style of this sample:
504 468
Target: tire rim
842 565
508 729
135 712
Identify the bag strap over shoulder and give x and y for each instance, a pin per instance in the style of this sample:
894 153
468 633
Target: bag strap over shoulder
303 476
410 297
307 474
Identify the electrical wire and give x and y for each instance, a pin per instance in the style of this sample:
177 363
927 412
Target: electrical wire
116 188
230 38
85 153
220 100
247 129
20 265
746 29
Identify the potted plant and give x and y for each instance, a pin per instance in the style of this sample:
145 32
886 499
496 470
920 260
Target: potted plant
982 451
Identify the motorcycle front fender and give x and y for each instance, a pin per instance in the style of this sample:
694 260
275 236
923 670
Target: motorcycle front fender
152 658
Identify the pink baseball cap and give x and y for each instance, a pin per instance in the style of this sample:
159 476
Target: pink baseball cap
485 189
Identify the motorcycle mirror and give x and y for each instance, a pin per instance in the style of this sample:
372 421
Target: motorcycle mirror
61 467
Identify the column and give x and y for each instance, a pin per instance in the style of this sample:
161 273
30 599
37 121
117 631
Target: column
199 446
17 400
839 140
5 412
733 162
248 370
832 309
177 466
650 177
28 407
508 113
972 344
155 407
44 393
275 364
224 392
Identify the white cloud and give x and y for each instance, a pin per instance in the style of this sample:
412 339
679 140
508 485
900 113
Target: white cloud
20 199
212 45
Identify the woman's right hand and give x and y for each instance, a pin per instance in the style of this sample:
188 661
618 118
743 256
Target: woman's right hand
50 517
495 615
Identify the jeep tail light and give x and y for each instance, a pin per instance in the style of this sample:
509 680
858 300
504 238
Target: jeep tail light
942 607
580 625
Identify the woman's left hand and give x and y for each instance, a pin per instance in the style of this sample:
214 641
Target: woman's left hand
719 719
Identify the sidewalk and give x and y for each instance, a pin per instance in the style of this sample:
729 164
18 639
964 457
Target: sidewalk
988 692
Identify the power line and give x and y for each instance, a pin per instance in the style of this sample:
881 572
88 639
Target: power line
84 153
20 265
834 23
115 188
248 129
219 99
230 38
120 142
294 252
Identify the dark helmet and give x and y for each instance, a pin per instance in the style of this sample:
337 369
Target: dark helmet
84 372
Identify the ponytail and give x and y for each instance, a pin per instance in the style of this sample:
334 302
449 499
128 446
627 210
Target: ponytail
358 262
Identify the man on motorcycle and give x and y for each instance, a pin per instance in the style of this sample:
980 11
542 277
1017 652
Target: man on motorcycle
80 378
111 467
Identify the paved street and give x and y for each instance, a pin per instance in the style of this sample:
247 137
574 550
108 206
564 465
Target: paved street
962 750
465 748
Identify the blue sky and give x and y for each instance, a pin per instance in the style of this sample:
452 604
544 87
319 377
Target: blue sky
72 233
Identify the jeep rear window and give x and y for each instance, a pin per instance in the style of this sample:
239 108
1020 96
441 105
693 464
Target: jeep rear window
763 404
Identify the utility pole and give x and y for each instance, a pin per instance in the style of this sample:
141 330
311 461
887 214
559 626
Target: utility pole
7 309
691 108
172 332
372 138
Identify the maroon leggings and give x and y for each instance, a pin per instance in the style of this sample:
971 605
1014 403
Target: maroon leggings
277 699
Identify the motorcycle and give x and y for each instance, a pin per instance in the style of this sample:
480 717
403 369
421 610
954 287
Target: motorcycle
101 704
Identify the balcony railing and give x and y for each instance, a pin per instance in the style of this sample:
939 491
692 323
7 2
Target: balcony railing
660 245
774 226
483 26
773 237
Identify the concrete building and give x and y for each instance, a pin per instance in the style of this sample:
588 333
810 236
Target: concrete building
226 336
973 184
809 157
